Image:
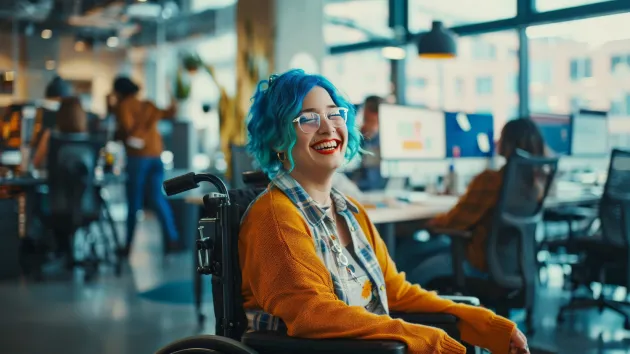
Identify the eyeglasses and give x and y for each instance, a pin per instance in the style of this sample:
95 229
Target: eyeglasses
310 122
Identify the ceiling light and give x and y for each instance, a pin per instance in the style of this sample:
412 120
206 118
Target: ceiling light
112 42
46 34
394 53
439 43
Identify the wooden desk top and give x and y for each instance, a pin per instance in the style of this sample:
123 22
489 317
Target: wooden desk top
434 205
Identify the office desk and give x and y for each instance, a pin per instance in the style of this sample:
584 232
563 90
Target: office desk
386 218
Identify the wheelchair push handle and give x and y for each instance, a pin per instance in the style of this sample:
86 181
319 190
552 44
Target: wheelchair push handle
190 181
180 184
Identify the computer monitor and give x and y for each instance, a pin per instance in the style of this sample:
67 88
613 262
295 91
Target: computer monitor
556 130
469 135
589 134
409 133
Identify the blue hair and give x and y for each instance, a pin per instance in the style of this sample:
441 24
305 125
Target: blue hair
276 103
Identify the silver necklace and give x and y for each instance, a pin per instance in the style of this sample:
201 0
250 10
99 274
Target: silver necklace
335 246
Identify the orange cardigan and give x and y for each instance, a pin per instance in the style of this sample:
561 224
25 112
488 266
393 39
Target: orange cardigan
283 275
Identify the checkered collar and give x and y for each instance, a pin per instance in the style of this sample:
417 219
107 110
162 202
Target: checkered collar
313 212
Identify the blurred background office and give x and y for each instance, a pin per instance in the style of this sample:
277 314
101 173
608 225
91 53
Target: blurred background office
434 83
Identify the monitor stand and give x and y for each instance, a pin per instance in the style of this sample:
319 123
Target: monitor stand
396 184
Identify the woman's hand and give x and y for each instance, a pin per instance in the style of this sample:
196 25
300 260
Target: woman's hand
518 343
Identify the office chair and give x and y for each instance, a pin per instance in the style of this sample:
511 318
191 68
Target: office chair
240 162
607 256
75 203
218 256
511 242
559 247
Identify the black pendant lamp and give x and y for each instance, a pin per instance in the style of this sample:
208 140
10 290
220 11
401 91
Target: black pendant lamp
439 43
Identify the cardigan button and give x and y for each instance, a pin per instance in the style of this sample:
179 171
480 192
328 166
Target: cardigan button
382 287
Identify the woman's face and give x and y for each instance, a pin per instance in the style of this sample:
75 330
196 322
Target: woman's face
320 149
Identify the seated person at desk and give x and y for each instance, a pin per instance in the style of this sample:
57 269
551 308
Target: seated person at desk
368 175
69 119
46 119
474 210
312 262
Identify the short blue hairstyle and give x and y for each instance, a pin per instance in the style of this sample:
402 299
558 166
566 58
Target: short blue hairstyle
276 103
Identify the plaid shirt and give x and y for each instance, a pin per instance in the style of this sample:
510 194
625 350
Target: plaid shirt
320 226
474 212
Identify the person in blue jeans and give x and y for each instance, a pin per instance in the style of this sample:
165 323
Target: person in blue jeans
137 127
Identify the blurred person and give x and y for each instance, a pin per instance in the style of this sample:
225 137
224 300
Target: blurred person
475 209
337 279
46 118
368 176
137 127
69 119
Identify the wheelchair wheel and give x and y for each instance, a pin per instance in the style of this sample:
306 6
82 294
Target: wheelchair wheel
206 344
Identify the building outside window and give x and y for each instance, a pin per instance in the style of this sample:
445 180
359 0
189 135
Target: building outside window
484 85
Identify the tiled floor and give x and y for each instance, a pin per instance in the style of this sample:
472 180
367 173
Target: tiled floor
64 315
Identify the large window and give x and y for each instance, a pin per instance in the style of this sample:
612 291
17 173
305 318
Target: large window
589 64
360 74
590 67
354 21
457 12
472 82
549 5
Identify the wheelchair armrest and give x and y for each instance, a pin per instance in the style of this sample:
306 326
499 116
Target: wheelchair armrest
276 343
468 300
443 321
428 319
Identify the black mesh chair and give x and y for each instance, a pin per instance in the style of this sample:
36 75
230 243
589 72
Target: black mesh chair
607 255
75 202
511 243
241 163
218 256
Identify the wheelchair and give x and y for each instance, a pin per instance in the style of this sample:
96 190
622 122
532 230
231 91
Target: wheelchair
218 256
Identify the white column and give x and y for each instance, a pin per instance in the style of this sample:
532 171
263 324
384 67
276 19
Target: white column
299 41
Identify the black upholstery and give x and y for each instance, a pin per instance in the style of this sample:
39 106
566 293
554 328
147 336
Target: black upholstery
241 162
275 343
71 181
607 255
74 197
511 242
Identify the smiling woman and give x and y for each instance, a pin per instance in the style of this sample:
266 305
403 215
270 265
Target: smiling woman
314 103
313 264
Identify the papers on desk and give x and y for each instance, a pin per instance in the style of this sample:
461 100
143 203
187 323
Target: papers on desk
568 189
393 198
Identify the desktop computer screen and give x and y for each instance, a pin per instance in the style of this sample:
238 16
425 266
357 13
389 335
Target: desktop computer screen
409 133
470 135
589 133
556 130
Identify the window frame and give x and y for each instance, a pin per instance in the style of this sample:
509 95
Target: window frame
526 16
